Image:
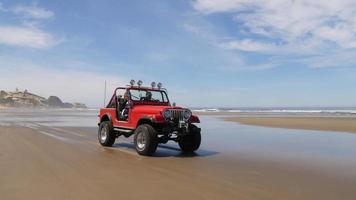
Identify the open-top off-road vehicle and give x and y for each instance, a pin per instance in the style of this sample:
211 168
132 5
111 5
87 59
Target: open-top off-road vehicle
146 113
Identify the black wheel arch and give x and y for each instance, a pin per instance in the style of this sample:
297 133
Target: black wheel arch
105 117
145 120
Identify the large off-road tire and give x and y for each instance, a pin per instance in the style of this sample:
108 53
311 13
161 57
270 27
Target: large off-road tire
106 134
191 142
145 140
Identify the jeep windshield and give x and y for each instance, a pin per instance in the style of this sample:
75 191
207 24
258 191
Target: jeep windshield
156 96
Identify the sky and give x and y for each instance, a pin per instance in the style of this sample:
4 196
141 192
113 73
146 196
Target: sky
207 53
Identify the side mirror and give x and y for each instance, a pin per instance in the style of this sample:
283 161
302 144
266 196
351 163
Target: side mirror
174 104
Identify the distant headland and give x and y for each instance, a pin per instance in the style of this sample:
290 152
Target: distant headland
25 99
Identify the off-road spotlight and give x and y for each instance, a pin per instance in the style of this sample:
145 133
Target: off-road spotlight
132 82
159 86
139 83
153 84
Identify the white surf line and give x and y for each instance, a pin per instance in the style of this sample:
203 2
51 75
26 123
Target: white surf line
67 131
55 136
31 126
60 130
28 125
5 123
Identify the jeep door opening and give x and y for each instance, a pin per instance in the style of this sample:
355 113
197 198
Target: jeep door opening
147 113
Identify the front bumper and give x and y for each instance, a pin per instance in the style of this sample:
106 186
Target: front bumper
179 128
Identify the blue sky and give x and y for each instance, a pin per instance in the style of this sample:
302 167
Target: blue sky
207 53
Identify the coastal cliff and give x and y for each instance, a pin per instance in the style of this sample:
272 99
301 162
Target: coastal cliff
25 99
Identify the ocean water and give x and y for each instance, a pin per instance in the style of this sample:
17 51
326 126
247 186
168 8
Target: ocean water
283 110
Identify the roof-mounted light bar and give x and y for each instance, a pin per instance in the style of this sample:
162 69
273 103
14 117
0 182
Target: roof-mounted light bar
153 84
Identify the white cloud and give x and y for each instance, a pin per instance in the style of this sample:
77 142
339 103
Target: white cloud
27 33
210 6
294 23
26 37
341 59
250 67
316 33
247 45
32 12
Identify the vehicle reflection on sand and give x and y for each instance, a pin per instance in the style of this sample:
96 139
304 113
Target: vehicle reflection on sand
168 150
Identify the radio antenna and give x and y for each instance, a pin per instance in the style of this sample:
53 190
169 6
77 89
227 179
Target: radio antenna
104 93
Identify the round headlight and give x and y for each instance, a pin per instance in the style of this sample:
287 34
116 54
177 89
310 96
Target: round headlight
167 114
187 114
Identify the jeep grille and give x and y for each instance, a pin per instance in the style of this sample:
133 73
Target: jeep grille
177 114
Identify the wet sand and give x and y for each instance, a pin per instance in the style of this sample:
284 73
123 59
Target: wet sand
43 156
342 124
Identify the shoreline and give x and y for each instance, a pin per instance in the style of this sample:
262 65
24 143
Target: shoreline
276 114
319 123
7 108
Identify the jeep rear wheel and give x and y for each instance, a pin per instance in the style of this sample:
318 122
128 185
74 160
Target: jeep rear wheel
106 134
145 140
191 142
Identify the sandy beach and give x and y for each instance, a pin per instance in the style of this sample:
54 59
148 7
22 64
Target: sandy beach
55 155
342 124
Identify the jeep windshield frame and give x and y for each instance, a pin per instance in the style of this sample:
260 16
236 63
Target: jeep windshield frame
112 102
140 95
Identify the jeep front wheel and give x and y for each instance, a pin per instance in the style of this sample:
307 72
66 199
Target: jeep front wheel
191 142
106 134
145 140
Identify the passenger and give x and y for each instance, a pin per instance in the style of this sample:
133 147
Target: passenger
124 106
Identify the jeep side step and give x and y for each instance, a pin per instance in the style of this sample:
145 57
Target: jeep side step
123 130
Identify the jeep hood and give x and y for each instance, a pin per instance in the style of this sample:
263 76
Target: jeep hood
153 110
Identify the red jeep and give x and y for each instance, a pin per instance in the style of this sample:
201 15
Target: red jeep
146 113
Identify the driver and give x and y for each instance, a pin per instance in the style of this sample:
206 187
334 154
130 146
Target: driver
148 96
